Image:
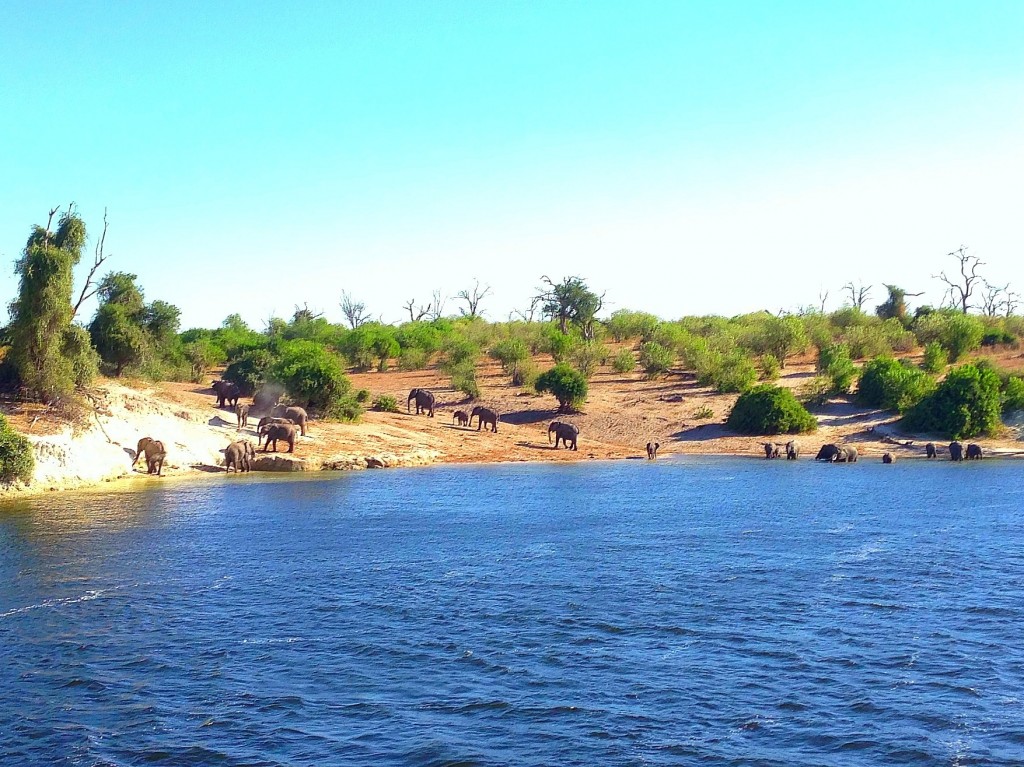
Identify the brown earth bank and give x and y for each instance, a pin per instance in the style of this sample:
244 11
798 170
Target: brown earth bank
622 414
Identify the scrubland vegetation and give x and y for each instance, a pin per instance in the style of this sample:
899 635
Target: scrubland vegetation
917 363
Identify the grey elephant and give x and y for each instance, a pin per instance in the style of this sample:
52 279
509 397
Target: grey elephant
273 432
155 453
652 450
239 455
424 399
792 451
293 413
265 420
888 458
771 450
827 453
974 452
242 414
566 432
956 451
847 454
461 416
929 450
484 415
226 392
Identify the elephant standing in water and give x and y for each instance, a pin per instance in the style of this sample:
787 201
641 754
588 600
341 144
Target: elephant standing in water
847 454
424 399
239 455
771 450
484 415
461 416
929 450
566 432
827 453
792 451
974 452
888 458
652 450
294 414
956 451
155 453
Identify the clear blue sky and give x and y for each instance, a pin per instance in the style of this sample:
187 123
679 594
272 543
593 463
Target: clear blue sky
679 155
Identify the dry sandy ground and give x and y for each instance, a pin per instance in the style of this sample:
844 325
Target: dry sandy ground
622 414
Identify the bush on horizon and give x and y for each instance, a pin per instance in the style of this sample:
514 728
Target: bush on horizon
768 409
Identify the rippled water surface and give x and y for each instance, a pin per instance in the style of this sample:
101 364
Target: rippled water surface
698 611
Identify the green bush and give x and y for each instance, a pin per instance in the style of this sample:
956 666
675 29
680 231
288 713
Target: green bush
934 357
702 413
463 377
412 358
1013 394
587 356
525 374
312 375
625 325
890 384
363 396
344 409
17 461
250 370
768 409
736 373
958 333
567 384
655 359
967 403
835 364
385 403
624 361
769 366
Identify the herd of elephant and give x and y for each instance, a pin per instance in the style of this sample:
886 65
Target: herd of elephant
833 453
565 433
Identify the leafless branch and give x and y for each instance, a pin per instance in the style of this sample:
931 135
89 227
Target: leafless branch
354 311
959 290
858 294
437 312
416 314
473 297
91 286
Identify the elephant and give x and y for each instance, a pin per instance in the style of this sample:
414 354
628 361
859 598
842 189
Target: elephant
652 450
269 420
929 450
294 414
265 399
155 453
974 452
956 451
847 454
792 451
239 455
888 458
275 431
566 432
484 415
242 413
461 416
424 399
226 392
827 453
771 450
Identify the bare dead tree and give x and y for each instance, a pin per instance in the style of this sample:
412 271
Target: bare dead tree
526 315
1011 303
305 314
473 297
993 298
822 298
438 302
354 311
960 289
416 313
90 287
858 294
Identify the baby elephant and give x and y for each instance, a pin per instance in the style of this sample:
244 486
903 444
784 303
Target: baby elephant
462 417
242 412
272 432
239 455
154 451
771 450
652 450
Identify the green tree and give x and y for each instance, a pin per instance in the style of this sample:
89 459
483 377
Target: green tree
41 314
768 409
890 384
835 364
311 374
571 302
567 384
17 462
118 337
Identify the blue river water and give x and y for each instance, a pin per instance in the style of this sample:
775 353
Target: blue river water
708 611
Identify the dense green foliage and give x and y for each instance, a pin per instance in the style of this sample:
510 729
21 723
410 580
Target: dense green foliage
890 384
385 403
624 361
567 384
966 404
934 358
1013 394
768 409
835 365
17 461
655 359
